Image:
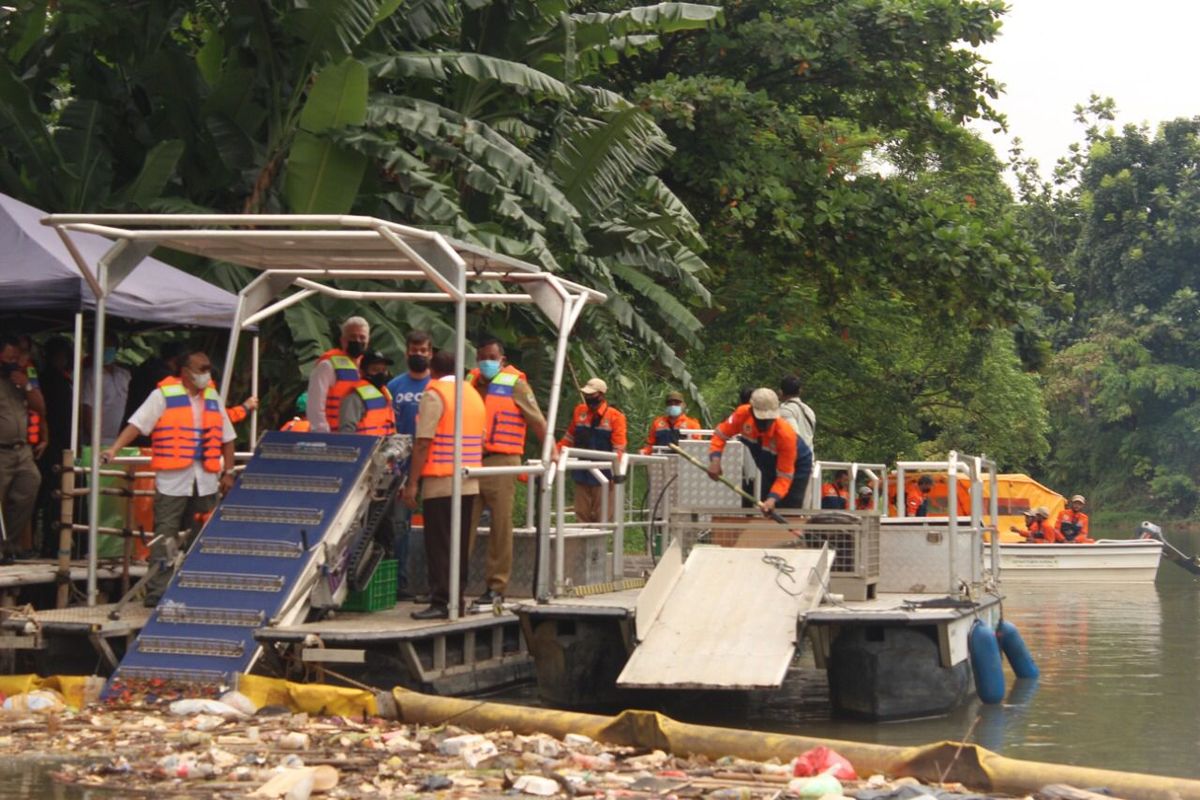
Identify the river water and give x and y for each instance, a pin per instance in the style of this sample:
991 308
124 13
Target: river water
1119 686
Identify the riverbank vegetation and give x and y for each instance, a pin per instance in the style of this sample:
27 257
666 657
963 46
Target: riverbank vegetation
762 187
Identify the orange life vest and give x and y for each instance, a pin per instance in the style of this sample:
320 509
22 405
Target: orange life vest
441 455
346 377
297 424
505 422
176 442
378 419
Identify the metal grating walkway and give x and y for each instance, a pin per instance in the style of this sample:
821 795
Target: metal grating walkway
296 506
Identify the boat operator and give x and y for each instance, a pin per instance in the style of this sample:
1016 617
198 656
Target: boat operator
1072 523
776 447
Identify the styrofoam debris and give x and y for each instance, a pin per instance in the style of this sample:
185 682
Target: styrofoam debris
536 785
186 708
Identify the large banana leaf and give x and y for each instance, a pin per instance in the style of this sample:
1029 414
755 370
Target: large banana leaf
333 28
82 141
479 67
157 169
323 176
601 160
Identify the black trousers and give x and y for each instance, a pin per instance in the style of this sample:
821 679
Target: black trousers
437 547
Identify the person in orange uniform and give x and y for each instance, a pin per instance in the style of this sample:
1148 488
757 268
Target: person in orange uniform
433 460
1039 531
1072 523
836 493
512 409
916 504
667 428
771 439
192 457
595 425
336 375
299 423
368 409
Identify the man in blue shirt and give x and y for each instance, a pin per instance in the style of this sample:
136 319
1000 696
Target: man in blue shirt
406 389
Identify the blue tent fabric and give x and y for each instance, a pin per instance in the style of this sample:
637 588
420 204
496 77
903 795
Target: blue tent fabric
38 274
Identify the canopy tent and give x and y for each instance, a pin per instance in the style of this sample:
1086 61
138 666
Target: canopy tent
39 273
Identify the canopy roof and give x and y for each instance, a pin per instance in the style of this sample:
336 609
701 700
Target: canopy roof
39 273
315 245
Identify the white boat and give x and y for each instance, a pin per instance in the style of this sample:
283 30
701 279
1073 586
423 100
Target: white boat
1104 561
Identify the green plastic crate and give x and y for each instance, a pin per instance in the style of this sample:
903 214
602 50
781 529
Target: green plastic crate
380 593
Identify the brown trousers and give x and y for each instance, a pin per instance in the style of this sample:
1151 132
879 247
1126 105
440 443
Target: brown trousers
437 547
587 502
497 492
19 481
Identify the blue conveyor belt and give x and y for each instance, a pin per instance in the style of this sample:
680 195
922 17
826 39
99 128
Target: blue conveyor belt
251 557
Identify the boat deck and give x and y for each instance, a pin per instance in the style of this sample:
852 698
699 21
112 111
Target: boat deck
30 573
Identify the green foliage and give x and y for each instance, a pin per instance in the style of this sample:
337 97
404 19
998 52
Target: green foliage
860 236
462 116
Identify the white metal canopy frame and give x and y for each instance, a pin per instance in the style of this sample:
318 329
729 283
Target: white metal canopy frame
305 251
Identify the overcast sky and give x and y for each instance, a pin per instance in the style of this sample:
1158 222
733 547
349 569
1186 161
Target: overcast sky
1052 54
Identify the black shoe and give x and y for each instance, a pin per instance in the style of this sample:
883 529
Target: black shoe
433 612
486 601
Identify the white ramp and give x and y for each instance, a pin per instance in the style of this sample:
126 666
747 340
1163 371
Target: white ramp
726 619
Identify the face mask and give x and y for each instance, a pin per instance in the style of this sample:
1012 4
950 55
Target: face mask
593 400
762 424
489 369
201 379
110 355
674 411
378 381
418 363
355 349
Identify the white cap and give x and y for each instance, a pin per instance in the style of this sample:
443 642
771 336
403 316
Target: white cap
595 386
764 403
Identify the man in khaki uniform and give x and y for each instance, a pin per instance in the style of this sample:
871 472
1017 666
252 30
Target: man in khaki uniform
511 410
19 476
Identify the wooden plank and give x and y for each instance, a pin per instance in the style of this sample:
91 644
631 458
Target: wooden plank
324 655
730 621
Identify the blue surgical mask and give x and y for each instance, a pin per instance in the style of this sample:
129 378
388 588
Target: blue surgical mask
110 355
674 411
489 368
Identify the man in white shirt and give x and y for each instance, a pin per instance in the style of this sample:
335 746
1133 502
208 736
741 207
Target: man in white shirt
796 411
192 456
336 374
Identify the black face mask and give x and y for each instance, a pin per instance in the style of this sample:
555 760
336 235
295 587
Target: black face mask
593 401
418 363
762 424
378 381
355 349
